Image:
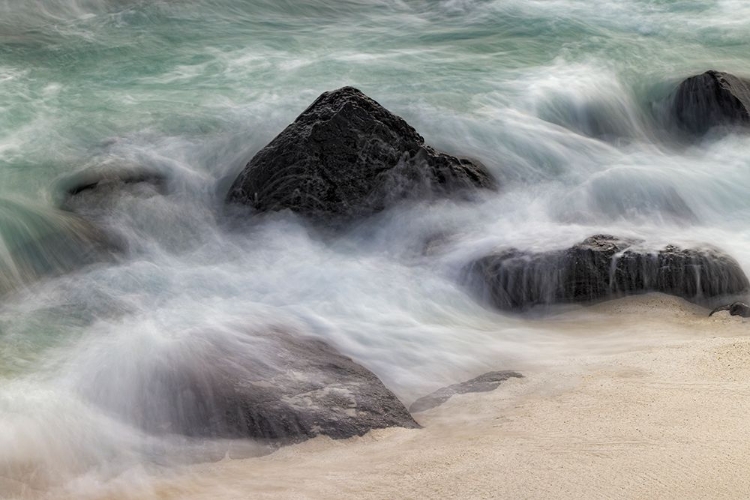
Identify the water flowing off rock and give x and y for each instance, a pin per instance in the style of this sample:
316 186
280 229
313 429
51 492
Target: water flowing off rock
603 267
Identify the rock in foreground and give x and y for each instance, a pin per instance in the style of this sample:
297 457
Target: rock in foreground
483 383
710 100
346 155
276 387
604 267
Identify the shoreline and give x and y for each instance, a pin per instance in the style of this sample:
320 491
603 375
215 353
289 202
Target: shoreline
666 419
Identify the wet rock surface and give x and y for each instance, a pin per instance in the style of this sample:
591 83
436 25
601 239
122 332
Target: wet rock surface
735 309
348 156
483 383
276 387
712 99
603 267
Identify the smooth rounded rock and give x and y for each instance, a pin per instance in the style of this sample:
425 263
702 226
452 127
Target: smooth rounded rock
274 386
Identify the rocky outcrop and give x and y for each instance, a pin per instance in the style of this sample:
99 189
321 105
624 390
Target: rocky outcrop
347 156
603 267
276 387
483 383
710 100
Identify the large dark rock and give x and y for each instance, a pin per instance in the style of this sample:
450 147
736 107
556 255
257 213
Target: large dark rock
603 267
710 100
348 156
483 383
277 387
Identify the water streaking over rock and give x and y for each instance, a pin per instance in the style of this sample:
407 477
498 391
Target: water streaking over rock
136 303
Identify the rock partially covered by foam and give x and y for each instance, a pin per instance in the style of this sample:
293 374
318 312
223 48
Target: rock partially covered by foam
94 191
276 386
346 155
604 267
712 99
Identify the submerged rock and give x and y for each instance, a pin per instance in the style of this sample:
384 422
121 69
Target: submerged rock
95 190
603 267
483 383
346 155
276 386
712 99
40 241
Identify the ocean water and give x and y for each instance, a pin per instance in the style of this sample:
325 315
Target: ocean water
563 100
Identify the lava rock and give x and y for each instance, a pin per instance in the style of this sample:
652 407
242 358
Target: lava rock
347 156
483 383
603 267
712 99
276 387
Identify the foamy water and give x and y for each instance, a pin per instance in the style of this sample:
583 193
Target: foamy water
564 101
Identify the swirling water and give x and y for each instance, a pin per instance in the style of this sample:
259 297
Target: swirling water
562 99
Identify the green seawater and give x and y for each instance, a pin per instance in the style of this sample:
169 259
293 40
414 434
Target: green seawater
565 101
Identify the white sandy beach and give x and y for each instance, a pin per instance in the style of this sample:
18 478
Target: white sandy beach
668 419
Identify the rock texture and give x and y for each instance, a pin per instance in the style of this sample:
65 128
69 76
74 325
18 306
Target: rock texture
277 387
603 267
483 383
735 309
346 155
710 100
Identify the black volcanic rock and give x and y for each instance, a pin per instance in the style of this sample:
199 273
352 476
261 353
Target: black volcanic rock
603 267
276 387
712 99
483 383
346 155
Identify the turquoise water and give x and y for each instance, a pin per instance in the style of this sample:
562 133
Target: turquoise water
562 99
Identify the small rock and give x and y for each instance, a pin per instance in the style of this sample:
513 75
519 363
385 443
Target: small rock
483 383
